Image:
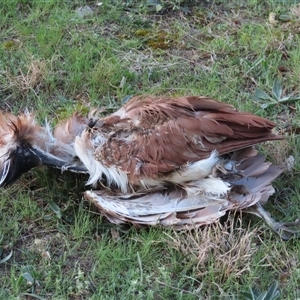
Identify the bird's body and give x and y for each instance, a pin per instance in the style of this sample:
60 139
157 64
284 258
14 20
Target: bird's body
172 161
153 140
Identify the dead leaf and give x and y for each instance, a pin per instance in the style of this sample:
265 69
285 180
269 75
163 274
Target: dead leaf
115 234
272 18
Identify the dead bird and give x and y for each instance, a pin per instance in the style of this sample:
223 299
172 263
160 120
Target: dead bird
181 161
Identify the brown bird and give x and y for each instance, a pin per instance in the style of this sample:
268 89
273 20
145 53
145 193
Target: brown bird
171 161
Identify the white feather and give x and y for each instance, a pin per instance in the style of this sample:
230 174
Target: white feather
96 169
5 170
151 204
214 188
194 171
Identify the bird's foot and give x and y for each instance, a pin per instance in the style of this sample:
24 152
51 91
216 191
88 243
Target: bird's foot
284 230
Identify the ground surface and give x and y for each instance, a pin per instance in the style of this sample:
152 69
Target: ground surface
54 60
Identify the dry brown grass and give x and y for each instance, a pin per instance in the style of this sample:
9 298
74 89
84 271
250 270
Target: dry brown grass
228 248
295 10
281 261
30 80
278 151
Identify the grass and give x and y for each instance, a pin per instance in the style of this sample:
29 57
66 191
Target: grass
53 244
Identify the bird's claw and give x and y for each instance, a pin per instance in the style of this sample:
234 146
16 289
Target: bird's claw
286 232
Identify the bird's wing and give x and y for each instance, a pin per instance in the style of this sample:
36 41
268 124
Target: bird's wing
153 135
165 208
174 206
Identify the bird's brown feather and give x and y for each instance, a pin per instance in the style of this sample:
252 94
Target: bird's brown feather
67 130
159 134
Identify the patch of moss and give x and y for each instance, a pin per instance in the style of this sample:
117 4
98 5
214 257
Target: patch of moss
157 39
142 32
10 45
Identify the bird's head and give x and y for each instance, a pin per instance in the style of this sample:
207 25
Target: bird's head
17 154
24 145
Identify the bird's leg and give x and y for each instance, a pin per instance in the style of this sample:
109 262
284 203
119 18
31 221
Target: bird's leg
282 229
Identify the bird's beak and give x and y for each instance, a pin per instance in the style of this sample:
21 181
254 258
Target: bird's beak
50 160
24 158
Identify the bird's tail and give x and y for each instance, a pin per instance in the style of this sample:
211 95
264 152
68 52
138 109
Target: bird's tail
252 180
24 144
